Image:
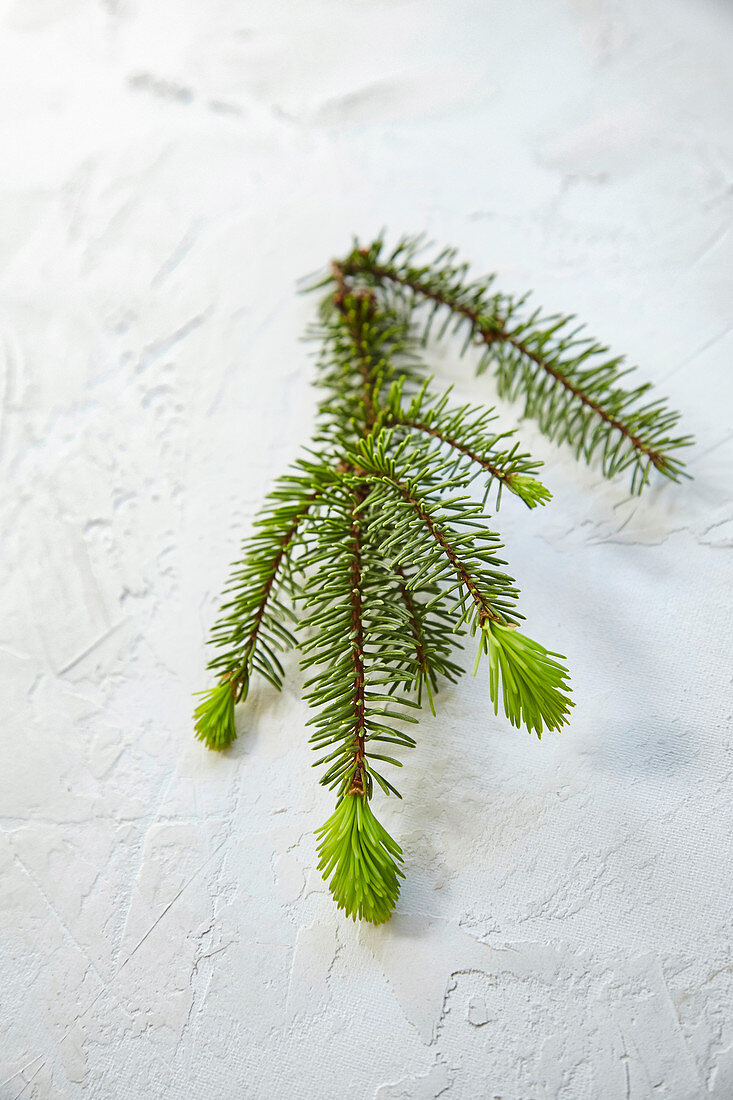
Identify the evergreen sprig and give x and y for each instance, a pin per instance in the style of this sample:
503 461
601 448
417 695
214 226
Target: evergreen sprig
375 553
254 623
465 432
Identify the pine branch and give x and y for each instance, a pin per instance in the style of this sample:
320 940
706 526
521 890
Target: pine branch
568 383
356 647
358 311
253 625
355 849
357 779
376 544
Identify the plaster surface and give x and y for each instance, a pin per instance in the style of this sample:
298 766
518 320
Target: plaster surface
170 170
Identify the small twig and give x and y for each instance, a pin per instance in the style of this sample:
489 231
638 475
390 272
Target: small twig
238 675
420 426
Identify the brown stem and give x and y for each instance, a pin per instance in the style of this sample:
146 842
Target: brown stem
342 288
492 334
343 299
354 321
357 657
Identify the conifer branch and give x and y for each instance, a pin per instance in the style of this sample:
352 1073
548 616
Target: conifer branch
534 684
355 643
357 783
450 544
364 350
357 311
376 550
466 430
253 625
357 648
422 426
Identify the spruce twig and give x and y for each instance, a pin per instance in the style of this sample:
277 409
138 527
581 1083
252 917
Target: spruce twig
375 550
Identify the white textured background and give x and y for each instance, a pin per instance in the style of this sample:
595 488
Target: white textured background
169 169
